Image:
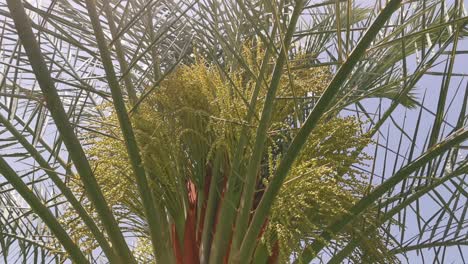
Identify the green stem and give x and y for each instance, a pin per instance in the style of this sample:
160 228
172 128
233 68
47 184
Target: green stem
441 111
55 106
413 196
42 211
243 138
161 245
261 213
336 227
211 205
255 160
129 87
62 187
228 208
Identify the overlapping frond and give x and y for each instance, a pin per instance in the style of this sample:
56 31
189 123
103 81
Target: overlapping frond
396 67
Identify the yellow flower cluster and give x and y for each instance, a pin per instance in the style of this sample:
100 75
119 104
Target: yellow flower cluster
198 111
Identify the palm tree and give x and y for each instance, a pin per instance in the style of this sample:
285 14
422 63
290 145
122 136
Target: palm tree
233 131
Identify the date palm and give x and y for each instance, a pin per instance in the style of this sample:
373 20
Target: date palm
116 116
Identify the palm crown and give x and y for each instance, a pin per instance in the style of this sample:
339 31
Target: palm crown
233 131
